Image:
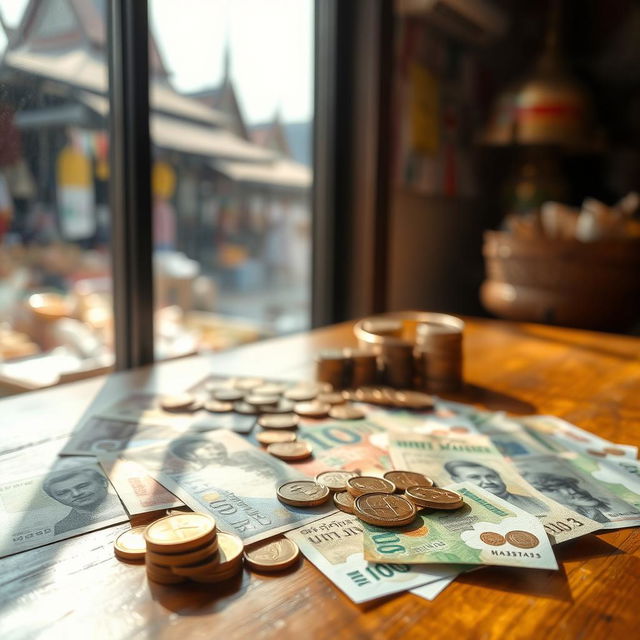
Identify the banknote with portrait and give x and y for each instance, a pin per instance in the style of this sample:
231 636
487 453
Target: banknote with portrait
220 473
475 459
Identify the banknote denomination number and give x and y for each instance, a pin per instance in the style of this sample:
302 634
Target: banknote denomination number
387 542
558 527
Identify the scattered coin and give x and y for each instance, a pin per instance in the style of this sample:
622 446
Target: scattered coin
522 539
270 389
360 485
275 555
205 553
279 421
346 412
303 493
492 538
177 533
248 384
290 451
344 501
179 402
246 409
335 480
333 397
228 395
130 545
301 394
271 437
405 479
313 409
261 401
434 498
384 510
283 406
217 406
414 400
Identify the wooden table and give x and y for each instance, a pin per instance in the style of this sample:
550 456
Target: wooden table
76 588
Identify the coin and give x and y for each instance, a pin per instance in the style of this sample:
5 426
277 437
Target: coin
302 493
247 384
217 406
273 555
230 548
283 406
270 389
492 538
414 400
228 395
206 552
384 510
313 409
301 394
178 402
333 397
522 539
360 485
335 480
434 498
261 401
245 409
271 437
343 500
162 575
130 545
405 479
181 532
279 421
290 450
346 412
208 565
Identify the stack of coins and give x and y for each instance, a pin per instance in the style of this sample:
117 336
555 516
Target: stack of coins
439 356
333 366
397 365
364 368
188 546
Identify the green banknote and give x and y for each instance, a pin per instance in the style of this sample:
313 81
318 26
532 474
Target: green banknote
485 531
475 459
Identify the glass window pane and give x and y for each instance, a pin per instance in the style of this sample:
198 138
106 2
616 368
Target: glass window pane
55 275
231 91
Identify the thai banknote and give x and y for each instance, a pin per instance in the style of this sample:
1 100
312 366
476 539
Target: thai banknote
560 435
486 530
138 491
475 459
44 499
583 492
220 473
334 545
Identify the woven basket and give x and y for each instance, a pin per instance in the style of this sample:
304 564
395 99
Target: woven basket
590 285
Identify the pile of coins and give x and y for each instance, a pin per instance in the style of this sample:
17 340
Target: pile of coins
376 500
188 546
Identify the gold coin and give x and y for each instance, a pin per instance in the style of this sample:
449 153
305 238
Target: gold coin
245 409
343 500
313 409
230 548
130 545
228 395
336 479
290 451
434 498
301 394
405 479
248 384
334 397
271 437
360 485
183 532
279 421
217 406
162 575
208 551
275 555
346 412
261 401
303 493
178 402
283 406
384 510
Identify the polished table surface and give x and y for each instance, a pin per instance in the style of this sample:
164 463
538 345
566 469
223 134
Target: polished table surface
76 588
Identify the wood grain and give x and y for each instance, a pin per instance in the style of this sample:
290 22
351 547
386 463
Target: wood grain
76 588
